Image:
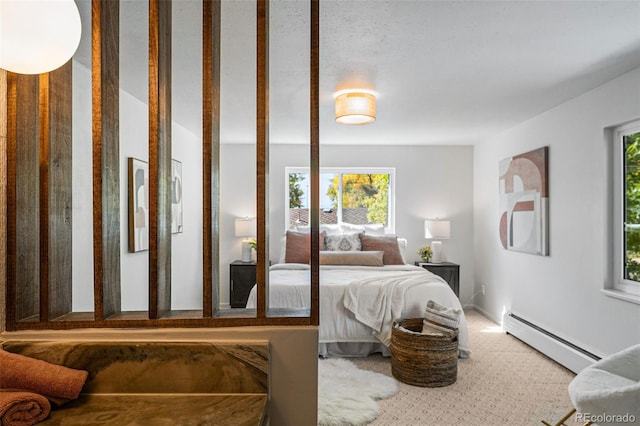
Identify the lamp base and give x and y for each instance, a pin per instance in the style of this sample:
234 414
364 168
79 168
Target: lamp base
246 251
436 251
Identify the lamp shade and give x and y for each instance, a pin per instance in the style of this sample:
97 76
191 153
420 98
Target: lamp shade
355 107
435 229
38 36
246 227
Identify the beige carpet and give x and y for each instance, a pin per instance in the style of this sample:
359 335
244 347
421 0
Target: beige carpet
505 382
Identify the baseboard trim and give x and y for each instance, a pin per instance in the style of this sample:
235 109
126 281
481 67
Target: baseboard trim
555 347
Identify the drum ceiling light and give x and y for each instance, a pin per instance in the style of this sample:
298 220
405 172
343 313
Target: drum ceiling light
38 36
355 106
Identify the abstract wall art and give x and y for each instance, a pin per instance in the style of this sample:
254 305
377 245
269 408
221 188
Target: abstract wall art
138 205
176 196
524 202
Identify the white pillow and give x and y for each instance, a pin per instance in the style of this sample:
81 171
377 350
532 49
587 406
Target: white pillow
283 249
328 228
402 245
375 229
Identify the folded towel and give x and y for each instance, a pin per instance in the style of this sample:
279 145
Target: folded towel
57 383
21 408
443 315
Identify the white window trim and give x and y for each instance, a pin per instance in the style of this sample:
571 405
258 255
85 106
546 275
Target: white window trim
619 287
391 171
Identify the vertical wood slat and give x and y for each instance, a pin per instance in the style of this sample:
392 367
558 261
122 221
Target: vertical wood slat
106 156
3 199
60 191
314 160
159 158
211 21
23 238
43 178
262 156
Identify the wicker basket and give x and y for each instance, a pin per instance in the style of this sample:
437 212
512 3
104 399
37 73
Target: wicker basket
428 360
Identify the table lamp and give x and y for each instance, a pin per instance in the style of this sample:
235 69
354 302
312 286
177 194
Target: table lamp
437 230
246 228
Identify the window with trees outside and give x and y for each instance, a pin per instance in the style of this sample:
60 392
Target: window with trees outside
627 209
347 195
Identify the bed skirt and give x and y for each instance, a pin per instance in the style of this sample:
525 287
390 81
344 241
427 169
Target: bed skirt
352 349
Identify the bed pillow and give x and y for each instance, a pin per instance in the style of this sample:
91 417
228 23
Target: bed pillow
328 228
369 228
298 246
388 244
343 242
359 258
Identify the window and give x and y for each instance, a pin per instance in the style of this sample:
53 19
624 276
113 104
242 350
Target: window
627 209
347 195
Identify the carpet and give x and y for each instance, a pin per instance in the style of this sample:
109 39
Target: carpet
347 395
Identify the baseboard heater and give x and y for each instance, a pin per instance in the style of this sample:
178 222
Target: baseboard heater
555 347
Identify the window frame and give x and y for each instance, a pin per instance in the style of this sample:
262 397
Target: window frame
620 286
390 227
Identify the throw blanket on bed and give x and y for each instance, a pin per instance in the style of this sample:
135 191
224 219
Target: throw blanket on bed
377 301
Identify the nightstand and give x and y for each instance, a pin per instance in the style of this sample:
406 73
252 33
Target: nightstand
242 279
450 272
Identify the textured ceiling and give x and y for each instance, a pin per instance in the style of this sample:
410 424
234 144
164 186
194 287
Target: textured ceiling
447 72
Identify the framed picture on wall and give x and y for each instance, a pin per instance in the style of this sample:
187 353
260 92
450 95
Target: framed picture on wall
138 205
524 202
176 196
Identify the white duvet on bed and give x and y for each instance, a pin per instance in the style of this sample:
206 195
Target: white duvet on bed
407 298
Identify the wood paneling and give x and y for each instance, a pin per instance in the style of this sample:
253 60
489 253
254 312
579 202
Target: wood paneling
159 158
105 42
23 179
3 198
314 160
211 155
57 165
262 156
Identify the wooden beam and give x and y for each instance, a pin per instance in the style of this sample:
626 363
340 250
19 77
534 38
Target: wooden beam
23 239
314 161
211 156
60 188
105 45
262 157
3 199
159 158
43 175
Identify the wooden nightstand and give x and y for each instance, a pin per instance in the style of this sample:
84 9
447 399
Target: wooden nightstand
242 279
450 272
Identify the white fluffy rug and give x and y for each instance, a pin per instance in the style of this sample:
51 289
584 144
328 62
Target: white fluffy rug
347 395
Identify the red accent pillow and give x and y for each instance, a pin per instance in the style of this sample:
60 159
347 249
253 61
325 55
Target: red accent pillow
387 244
298 247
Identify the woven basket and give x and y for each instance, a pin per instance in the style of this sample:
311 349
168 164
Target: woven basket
428 360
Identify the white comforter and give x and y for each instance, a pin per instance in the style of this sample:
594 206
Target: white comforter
359 303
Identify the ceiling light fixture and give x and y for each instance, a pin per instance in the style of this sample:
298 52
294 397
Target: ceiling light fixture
38 36
355 106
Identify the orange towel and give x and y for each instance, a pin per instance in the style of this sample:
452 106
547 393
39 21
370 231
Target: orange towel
21 408
57 383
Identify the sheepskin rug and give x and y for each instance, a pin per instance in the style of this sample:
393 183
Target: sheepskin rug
347 395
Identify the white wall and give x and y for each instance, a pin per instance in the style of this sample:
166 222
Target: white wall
560 292
430 181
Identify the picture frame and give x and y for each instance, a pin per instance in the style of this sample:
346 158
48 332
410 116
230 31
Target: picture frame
524 202
138 172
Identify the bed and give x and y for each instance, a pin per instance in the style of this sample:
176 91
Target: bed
358 302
